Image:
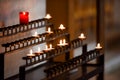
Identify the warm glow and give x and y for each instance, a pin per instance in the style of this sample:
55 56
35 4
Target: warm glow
35 34
50 46
82 36
61 27
31 52
98 46
23 13
60 41
46 47
48 16
39 49
64 41
49 29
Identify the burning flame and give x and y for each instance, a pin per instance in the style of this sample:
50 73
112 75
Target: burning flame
61 27
48 16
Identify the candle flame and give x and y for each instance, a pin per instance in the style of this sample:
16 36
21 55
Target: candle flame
49 29
31 51
98 46
61 27
50 46
64 41
39 49
82 36
48 16
60 41
46 47
35 34
23 13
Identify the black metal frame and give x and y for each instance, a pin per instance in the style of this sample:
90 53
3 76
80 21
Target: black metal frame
50 54
30 41
54 71
84 58
12 30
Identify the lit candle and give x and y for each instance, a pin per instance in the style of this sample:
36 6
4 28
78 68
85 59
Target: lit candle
39 50
82 36
35 34
46 48
50 46
62 43
31 54
61 27
98 46
24 17
49 30
48 16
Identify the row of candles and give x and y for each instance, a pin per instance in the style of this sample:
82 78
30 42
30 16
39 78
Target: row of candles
62 42
24 19
49 30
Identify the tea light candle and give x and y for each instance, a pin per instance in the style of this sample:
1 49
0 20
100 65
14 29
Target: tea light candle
49 30
31 54
35 34
24 17
48 16
39 50
62 43
98 46
46 48
61 27
51 47
82 36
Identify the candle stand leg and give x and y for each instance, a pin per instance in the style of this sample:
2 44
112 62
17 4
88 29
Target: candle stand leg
84 68
1 66
22 73
100 61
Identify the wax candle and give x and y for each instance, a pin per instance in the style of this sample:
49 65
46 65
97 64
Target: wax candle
31 54
48 16
62 43
49 30
61 27
50 46
82 36
98 46
39 50
24 17
35 34
46 48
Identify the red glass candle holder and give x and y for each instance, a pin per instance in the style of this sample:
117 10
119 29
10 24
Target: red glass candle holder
24 17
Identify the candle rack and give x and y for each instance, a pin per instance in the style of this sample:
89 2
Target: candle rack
57 70
12 30
48 55
30 41
39 57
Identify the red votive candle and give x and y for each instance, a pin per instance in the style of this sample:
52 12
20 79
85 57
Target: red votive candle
24 17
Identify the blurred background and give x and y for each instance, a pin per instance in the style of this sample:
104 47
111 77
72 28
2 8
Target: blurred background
79 16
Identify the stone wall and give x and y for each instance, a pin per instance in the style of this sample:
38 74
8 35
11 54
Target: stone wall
9 15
